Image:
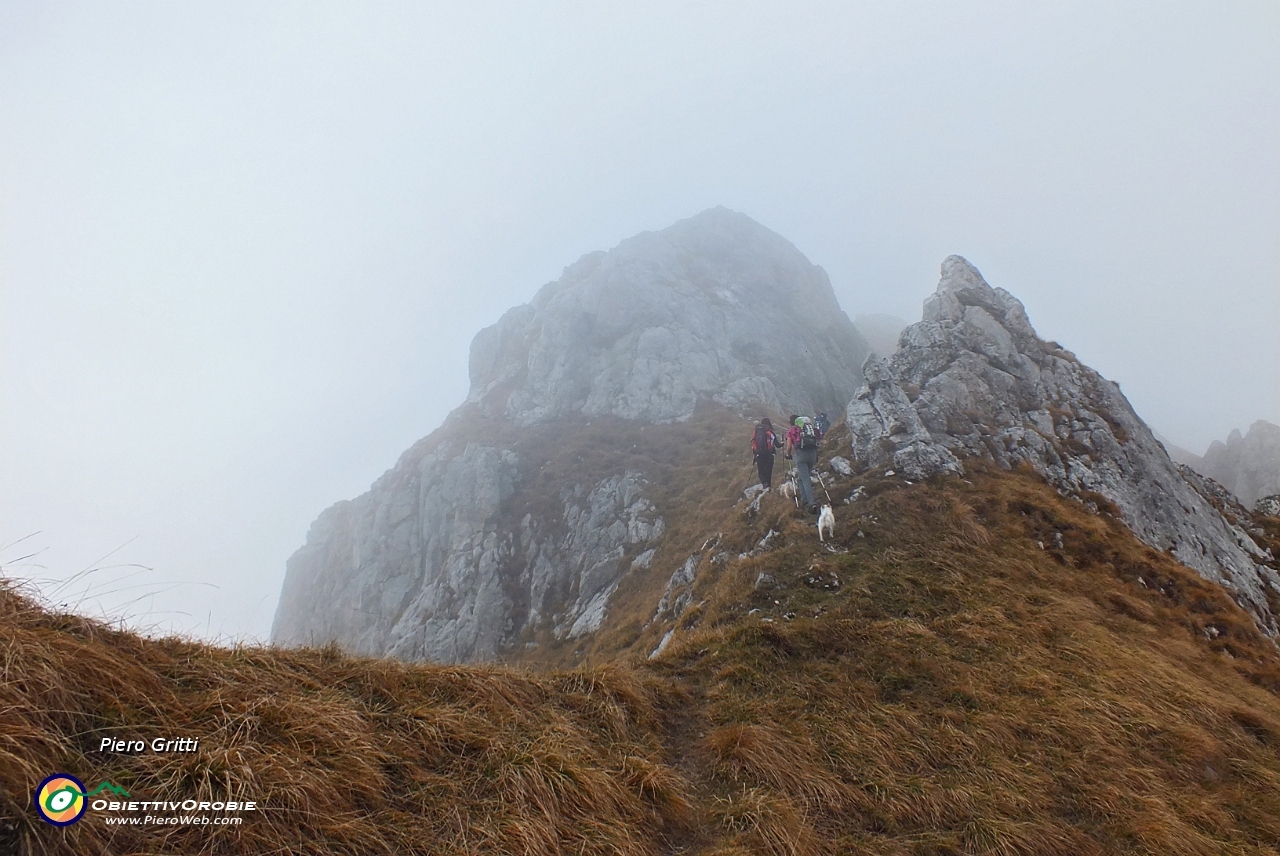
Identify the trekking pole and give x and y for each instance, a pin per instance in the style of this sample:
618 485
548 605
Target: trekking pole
795 482
824 485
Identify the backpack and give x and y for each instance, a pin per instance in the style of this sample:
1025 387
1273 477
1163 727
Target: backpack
761 441
808 435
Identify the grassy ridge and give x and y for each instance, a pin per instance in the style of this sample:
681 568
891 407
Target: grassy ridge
966 691
342 755
997 671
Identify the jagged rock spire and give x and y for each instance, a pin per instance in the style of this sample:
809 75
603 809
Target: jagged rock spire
973 379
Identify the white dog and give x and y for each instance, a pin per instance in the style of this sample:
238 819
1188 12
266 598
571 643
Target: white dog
827 521
788 489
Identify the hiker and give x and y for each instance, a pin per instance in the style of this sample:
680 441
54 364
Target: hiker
802 447
763 444
821 424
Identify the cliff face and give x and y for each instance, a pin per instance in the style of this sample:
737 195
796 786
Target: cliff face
411 566
974 379
474 544
433 563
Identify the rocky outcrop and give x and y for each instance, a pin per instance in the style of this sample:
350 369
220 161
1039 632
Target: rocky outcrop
430 563
1247 465
571 574
414 567
887 431
449 558
973 379
716 306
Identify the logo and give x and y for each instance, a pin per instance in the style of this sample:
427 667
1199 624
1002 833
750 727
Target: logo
61 799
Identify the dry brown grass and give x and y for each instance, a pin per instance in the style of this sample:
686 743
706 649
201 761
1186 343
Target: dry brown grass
760 755
343 755
962 691
967 691
756 821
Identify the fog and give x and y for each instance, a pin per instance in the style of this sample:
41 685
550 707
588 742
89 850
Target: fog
244 247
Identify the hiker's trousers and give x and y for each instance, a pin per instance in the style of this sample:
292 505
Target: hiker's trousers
764 466
805 460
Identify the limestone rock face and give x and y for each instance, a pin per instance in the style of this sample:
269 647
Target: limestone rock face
429 564
1248 465
413 567
973 379
887 431
582 565
452 557
716 306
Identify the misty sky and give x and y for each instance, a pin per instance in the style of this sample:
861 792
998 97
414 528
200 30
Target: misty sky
244 246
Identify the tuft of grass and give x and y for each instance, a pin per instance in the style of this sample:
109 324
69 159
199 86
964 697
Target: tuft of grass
757 821
760 755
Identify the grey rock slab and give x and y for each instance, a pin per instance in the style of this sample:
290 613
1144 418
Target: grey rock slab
765 581
676 596
662 646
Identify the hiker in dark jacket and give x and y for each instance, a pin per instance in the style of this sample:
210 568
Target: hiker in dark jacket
802 447
763 444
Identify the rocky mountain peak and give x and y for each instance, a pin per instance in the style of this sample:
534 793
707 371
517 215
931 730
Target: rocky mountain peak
962 289
505 527
715 306
972 379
